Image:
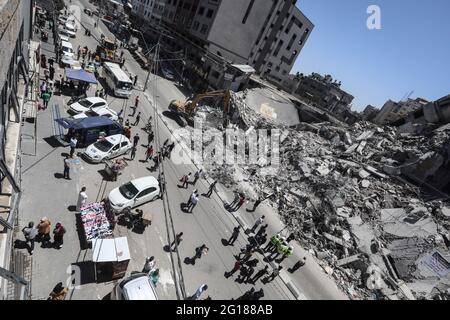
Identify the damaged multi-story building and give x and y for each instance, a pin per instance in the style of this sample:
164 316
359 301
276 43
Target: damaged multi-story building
393 111
268 36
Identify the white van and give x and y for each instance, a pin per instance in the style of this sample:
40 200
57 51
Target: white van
137 287
67 49
117 80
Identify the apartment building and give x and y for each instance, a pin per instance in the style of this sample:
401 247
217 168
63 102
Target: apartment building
393 111
267 35
143 8
15 32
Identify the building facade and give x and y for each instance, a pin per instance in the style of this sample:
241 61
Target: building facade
394 111
324 92
143 8
267 35
369 113
15 33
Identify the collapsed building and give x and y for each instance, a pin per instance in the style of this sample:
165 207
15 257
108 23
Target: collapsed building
356 197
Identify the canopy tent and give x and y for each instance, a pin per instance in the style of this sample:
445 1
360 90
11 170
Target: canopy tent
80 75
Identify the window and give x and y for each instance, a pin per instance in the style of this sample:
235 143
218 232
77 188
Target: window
204 28
277 50
124 144
201 11
146 192
210 13
247 12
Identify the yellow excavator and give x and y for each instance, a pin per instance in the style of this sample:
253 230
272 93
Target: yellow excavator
106 50
186 109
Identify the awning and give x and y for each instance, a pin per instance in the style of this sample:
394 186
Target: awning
110 250
80 75
65 123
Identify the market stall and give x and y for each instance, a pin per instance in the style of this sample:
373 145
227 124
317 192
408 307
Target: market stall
98 221
110 257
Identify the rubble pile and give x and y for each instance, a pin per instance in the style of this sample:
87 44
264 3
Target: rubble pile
342 191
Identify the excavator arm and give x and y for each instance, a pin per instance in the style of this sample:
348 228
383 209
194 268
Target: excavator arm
191 105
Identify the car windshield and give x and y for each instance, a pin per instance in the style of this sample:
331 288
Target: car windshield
103 145
85 103
128 190
124 85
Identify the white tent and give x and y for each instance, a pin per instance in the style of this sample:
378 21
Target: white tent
111 251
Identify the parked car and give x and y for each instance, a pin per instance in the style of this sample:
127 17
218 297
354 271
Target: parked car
137 287
98 112
86 104
168 74
71 27
108 148
134 193
64 33
64 19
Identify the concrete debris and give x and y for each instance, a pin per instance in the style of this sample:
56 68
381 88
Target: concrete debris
360 198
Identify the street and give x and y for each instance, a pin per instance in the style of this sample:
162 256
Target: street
45 193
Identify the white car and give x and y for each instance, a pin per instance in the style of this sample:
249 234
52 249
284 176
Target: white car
98 112
134 193
108 148
86 104
136 287
64 19
64 33
70 26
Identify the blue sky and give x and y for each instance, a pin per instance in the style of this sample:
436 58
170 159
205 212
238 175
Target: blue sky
410 52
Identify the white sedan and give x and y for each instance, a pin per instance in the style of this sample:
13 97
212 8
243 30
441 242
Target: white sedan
134 193
86 104
98 112
108 148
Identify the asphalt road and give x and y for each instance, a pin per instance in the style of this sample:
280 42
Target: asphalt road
46 194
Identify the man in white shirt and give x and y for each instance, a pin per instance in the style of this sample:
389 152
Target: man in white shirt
82 199
194 201
73 145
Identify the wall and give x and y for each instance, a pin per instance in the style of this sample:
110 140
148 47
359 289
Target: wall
229 35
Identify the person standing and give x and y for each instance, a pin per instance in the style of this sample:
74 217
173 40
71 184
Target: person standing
30 234
44 231
194 202
43 87
274 274
136 140
150 137
234 235
199 292
45 99
240 203
51 70
82 199
133 153
257 223
185 180
67 168
259 274
297 265
255 205
59 292
135 80
212 187
193 194
136 104
154 276
149 265
197 176
73 145
176 242
237 266
58 236
138 118
149 153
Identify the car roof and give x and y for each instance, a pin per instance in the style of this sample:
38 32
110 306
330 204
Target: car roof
95 99
114 139
144 182
92 122
139 288
66 44
104 110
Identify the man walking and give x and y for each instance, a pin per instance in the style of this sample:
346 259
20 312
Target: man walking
177 241
149 153
150 137
82 199
234 235
237 266
138 118
194 202
197 176
136 140
212 187
257 223
58 236
30 234
45 99
193 194
199 292
135 80
67 168
73 145
133 153
259 274
184 180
